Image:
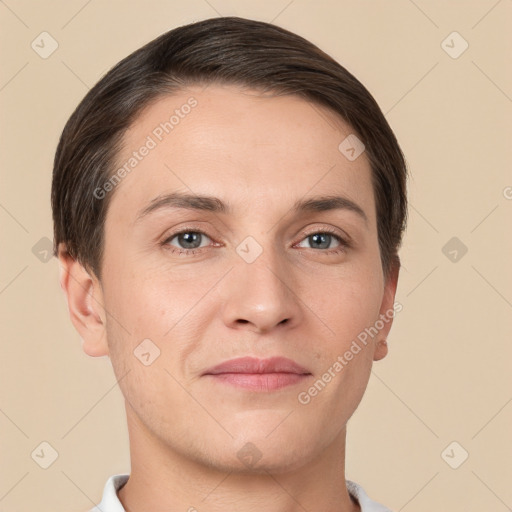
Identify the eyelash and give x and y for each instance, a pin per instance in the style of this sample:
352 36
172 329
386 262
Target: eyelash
343 244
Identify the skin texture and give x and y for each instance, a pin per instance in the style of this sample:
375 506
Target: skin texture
260 154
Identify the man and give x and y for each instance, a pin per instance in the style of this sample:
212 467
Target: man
228 205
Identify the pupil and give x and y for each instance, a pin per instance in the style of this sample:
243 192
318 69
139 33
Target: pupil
189 239
322 239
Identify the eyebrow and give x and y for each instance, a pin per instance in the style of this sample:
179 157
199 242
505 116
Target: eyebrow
216 205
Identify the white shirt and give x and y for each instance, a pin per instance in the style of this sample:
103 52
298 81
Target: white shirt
110 502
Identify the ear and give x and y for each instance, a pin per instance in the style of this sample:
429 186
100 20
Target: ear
85 303
387 309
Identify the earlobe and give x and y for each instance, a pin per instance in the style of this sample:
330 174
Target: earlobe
387 311
381 350
85 303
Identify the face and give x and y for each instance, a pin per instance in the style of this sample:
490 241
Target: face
262 267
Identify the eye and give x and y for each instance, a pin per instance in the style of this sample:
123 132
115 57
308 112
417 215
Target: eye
189 240
325 240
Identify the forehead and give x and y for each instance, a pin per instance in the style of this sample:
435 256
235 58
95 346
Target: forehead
241 145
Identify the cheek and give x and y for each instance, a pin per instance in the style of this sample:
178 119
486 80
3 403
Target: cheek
347 303
357 311
147 300
160 319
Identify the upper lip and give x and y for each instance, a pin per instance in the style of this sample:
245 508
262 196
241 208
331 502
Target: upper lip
254 365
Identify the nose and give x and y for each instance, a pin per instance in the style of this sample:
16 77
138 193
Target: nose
260 296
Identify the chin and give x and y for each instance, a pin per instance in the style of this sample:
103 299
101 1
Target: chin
266 450
255 459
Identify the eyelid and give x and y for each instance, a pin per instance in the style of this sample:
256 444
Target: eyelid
343 236
187 229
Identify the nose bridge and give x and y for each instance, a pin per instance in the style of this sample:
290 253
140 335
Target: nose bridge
260 292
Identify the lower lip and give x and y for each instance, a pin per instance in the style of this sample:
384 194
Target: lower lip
260 381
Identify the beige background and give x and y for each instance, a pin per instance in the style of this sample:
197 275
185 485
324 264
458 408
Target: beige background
448 374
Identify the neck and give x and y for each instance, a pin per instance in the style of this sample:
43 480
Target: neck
162 479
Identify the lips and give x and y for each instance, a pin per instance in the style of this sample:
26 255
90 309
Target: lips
251 365
262 375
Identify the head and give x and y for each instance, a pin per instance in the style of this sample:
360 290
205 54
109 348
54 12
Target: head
230 190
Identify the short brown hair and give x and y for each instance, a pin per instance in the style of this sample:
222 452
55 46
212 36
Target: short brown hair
226 50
